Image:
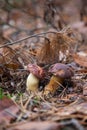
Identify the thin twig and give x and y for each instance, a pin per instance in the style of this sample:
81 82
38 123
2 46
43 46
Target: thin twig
11 114
20 40
27 102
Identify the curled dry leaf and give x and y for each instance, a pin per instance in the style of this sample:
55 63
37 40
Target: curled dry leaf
10 58
56 49
80 59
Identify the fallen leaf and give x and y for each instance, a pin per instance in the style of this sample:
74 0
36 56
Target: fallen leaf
35 126
80 59
57 48
77 109
8 110
10 58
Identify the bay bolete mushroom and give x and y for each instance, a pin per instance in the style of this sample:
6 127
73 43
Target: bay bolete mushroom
36 73
60 73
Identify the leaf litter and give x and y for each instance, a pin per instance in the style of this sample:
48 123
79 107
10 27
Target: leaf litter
45 44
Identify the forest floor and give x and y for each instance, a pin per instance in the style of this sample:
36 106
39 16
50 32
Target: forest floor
43 33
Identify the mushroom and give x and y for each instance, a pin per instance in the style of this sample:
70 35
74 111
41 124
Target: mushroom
36 73
60 73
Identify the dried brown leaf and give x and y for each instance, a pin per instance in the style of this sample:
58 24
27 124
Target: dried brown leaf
79 106
57 49
8 109
76 110
81 60
35 126
10 58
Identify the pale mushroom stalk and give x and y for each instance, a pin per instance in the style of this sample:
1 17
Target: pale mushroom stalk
32 83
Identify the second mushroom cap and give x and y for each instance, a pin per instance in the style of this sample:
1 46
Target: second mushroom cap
61 70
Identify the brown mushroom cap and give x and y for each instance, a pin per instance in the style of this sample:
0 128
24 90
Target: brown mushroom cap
36 70
61 70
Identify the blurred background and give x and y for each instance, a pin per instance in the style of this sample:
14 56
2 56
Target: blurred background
31 16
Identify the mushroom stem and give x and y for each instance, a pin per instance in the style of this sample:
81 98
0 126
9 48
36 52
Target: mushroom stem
53 85
32 83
